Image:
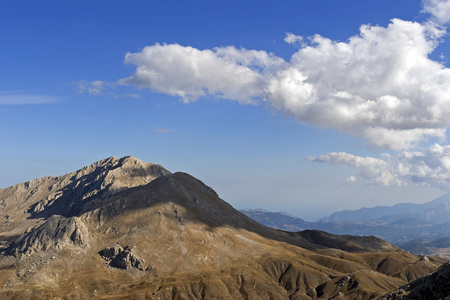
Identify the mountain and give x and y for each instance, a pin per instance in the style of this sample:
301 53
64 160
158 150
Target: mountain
126 229
436 212
395 231
439 247
278 220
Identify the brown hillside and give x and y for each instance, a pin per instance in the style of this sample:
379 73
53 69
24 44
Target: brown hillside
125 229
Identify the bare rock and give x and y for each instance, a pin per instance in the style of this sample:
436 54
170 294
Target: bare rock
56 232
122 258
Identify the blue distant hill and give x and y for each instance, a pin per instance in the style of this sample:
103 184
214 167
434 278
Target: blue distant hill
396 224
436 212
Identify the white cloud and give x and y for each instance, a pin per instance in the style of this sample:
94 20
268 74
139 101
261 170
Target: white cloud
439 9
14 99
430 167
379 85
380 80
189 73
293 39
374 170
398 139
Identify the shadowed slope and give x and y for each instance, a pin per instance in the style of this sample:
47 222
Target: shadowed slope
346 242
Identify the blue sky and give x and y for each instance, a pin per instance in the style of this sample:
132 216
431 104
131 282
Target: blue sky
301 106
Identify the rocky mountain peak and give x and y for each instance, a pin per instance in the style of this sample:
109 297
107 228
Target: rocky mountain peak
70 194
120 168
95 182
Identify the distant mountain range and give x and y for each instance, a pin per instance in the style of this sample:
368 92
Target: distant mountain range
278 220
398 224
439 247
436 212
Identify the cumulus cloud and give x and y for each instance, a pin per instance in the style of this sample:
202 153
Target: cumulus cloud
439 9
187 72
430 167
379 81
379 85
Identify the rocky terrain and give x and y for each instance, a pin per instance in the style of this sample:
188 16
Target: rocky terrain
434 286
125 229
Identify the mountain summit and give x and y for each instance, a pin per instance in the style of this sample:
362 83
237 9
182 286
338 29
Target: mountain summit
126 229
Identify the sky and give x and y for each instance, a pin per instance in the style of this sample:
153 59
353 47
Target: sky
305 106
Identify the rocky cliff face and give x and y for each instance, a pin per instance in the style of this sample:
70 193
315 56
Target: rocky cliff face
122 228
56 233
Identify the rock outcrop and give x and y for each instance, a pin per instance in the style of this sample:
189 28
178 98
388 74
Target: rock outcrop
122 258
57 232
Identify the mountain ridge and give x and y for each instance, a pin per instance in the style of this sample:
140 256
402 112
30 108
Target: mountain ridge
121 228
398 224
426 211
